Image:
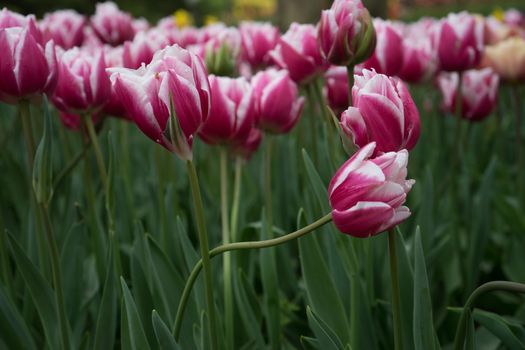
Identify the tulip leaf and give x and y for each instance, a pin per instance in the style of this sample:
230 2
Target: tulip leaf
137 336
164 337
309 343
470 334
498 326
15 334
318 186
325 336
43 165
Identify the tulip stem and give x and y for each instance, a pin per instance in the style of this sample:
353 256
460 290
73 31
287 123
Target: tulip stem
239 246
517 128
203 243
396 307
236 198
227 259
506 286
350 74
69 167
98 153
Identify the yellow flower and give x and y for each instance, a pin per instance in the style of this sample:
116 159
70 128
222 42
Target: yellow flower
498 14
182 18
210 19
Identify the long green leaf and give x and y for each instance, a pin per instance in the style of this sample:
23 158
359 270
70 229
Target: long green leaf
15 334
164 337
137 335
325 336
499 327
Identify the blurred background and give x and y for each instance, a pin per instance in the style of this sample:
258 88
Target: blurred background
281 12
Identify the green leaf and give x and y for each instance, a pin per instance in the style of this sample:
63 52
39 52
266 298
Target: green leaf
470 335
135 329
309 343
326 336
164 337
15 334
43 167
318 186
423 324
499 327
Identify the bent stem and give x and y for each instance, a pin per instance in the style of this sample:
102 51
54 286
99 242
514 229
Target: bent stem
505 286
203 243
227 259
396 307
239 246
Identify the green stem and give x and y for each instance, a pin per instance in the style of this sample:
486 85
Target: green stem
236 197
160 193
68 168
396 307
350 74
203 243
505 286
98 153
239 246
517 128
268 184
310 90
227 259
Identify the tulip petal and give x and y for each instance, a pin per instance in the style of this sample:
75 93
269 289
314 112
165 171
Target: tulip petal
364 219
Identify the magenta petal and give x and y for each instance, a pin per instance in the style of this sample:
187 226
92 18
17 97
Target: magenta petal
364 219
31 67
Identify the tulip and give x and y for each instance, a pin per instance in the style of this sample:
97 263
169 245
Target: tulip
346 33
388 54
249 145
336 88
514 17
10 19
495 31
232 111
83 85
507 59
420 61
140 25
112 25
141 49
91 39
297 52
221 51
479 92
65 28
460 42
278 104
383 111
174 75
366 194
28 68
257 40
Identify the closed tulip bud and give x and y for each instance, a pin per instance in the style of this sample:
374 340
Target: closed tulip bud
388 54
232 111
383 111
346 33
460 42
65 28
257 40
174 78
479 91
111 24
298 53
249 145
420 62
336 88
28 68
83 85
367 194
507 59
9 19
278 104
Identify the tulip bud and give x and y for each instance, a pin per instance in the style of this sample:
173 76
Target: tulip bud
336 88
383 111
65 28
479 92
111 24
507 59
257 40
388 54
346 33
366 194
460 42
28 68
278 104
420 62
83 85
232 111
298 53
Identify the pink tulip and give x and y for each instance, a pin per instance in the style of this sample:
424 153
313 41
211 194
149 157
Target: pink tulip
248 147
388 55
91 39
279 106
140 25
367 194
10 19
257 40
479 92
141 49
460 42
27 67
221 52
346 33
336 88
83 85
232 111
420 61
174 73
383 111
65 28
514 17
297 52
111 24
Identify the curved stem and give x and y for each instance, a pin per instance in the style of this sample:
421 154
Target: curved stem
203 243
236 198
396 307
238 246
505 286
227 259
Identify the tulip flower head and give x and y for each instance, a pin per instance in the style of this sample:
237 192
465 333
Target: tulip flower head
141 49
346 33
257 40
232 111
420 62
298 53
28 67
278 104
367 194
111 24
221 52
507 59
383 111
65 28
479 91
388 54
336 88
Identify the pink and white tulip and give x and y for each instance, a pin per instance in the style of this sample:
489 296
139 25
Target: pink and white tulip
383 111
278 104
479 92
388 54
257 40
367 194
65 28
420 62
142 48
10 19
232 111
111 24
336 88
